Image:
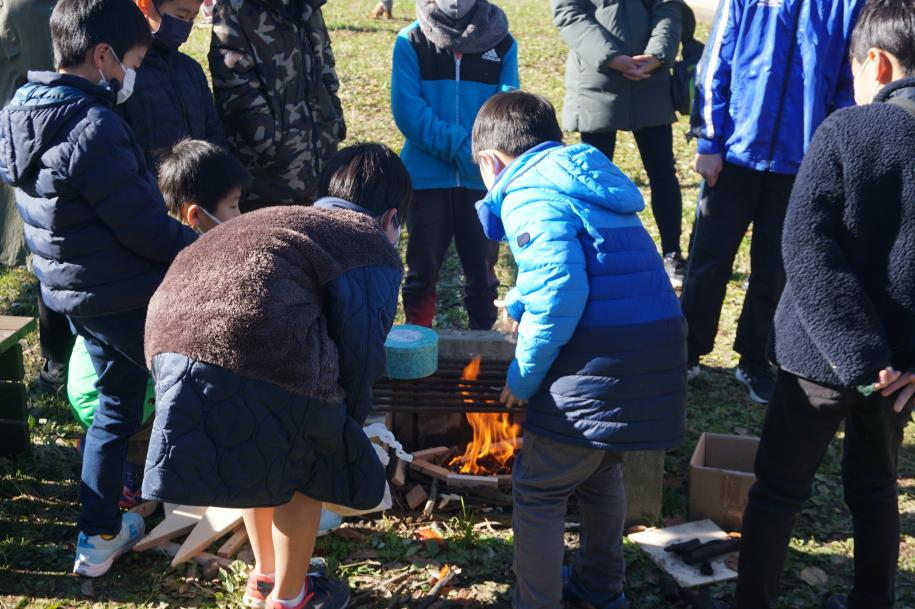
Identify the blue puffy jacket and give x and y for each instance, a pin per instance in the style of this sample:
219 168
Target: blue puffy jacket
94 218
771 73
435 98
171 101
602 343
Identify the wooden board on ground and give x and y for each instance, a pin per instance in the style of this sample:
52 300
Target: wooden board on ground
653 541
231 547
215 523
179 519
13 328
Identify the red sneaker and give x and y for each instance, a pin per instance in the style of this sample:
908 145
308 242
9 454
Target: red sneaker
258 589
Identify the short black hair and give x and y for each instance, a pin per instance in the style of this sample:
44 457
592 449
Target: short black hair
77 26
888 25
199 172
369 175
514 122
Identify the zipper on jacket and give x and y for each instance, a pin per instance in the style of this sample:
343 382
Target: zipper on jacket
781 102
181 105
457 104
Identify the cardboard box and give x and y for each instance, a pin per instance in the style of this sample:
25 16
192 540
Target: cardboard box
720 477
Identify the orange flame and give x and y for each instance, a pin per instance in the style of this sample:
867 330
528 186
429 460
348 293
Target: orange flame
494 435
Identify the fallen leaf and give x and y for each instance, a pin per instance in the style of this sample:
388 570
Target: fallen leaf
349 533
814 576
428 534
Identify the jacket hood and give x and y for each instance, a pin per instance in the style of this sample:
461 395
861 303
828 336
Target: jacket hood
580 172
904 88
38 112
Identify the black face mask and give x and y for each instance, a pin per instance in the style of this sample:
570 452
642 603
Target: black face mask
173 32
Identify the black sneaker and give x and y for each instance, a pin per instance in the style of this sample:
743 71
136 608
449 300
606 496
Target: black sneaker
676 268
53 376
759 381
323 593
836 601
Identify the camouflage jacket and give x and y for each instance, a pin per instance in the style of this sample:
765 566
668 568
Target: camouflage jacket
276 90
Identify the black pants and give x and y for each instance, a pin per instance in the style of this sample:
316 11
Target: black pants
54 334
435 218
656 146
741 197
801 421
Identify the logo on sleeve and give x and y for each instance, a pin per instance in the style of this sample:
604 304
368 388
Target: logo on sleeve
491 55
524 239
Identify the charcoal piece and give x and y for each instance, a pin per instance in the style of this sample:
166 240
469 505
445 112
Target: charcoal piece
710 550
683 547
706 568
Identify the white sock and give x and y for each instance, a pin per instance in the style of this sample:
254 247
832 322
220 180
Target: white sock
292 602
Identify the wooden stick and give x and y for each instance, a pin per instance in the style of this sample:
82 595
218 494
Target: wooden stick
179 519
433 497
231 547
204 559
437 589
215 523
145 509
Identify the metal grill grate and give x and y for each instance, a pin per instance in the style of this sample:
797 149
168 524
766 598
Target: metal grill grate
444 391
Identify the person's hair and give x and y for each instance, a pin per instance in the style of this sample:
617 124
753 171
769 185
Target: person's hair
77 26
513 123
369 175
199 172
888 25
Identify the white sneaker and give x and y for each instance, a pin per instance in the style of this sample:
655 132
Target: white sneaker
329 522
95 554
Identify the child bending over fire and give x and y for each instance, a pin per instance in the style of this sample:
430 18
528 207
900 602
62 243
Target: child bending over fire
264 340
601 355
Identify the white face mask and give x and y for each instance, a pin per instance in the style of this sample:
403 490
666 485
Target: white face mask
215 220
130 80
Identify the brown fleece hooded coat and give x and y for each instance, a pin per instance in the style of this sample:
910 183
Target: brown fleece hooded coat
248 296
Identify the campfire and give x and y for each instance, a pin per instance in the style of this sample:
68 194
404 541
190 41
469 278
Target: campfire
495 437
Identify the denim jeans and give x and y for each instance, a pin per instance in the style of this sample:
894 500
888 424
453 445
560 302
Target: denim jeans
546 475
115 346
801 421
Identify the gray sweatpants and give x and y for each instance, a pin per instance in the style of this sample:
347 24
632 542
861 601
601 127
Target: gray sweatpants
545 475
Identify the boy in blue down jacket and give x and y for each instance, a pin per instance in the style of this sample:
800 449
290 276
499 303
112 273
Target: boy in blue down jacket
772 71
99 233
446 65
601 355
845 326
172 99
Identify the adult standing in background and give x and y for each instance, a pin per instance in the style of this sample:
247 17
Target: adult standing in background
276 91
772 72
383 9
25 44
618 79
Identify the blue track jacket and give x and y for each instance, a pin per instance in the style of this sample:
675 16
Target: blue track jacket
435 98
773 70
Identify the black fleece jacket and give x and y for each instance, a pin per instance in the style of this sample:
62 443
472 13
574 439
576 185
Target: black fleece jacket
848 309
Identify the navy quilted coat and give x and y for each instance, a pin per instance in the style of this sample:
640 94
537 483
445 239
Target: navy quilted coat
171 101
601 343
265 339
94 218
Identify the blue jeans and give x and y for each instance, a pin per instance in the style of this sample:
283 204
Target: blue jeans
115 346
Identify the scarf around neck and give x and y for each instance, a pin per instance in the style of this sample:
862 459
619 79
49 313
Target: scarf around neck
482 29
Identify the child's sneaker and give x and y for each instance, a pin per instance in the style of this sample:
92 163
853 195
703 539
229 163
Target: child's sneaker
323 593
330 522
258 589
95 554
572 591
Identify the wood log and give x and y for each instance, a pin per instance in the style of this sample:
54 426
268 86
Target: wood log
231 547
416 497
179 519
215 523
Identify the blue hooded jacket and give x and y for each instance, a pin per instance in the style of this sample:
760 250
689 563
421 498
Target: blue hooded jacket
94 218
601 352
772 72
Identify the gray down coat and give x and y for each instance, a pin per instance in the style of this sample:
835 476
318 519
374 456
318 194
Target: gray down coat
599 98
